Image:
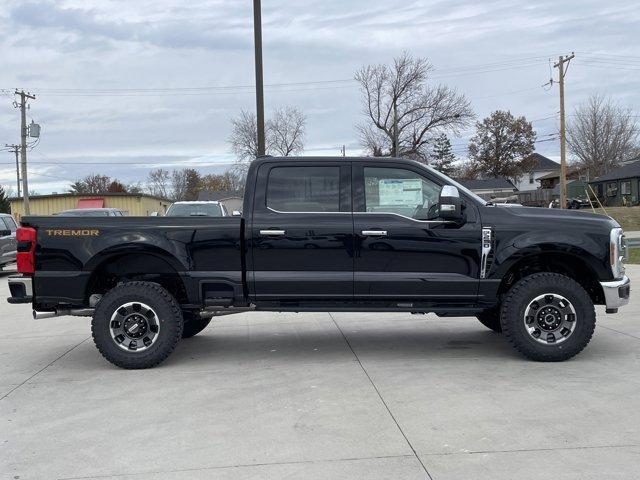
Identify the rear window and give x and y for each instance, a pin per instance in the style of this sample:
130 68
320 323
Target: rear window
304 189
194 210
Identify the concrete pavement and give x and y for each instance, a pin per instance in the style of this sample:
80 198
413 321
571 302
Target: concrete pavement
315 395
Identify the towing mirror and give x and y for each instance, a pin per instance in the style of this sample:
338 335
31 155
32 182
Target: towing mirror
450 204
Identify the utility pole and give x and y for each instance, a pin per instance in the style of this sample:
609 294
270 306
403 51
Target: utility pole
15 149
563 153
23 146
343 150
257 34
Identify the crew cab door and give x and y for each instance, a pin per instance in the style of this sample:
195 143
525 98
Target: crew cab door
302 231
403 250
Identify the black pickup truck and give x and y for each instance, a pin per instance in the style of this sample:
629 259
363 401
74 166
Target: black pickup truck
328 234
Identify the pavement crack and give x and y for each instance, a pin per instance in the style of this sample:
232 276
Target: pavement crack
618 331
364 370
524 450
43 369
241 465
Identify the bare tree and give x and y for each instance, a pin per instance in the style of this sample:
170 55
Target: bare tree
401 105
284 133
158 183
244 136
601 134
93 184
184 184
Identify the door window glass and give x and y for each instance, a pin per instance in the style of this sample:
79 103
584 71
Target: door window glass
304 189
11 225
396 190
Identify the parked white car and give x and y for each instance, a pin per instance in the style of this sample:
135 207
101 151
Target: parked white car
197 209
7 239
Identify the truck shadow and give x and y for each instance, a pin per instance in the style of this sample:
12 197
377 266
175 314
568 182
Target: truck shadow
220 346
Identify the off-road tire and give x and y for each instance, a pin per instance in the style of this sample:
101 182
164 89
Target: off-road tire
523 292
193 324
169 319
491 319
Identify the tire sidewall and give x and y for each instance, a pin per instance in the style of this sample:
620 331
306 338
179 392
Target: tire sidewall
525 291
169 320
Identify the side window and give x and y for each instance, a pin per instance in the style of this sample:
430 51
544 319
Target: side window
396 190
11 225
304 189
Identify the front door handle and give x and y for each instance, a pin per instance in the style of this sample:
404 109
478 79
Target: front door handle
272 233
374 233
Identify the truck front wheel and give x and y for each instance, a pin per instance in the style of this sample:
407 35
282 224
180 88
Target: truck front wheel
137 325
548 317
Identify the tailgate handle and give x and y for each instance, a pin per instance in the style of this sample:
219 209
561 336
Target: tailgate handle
374 233
272 233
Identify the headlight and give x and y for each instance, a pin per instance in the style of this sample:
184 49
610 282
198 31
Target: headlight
617 252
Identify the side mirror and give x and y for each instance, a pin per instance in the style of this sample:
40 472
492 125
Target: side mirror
154 214
450 204
236 213
5 233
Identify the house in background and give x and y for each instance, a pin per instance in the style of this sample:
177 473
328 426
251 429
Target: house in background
574 172
541 166
232 199
490 187
619 187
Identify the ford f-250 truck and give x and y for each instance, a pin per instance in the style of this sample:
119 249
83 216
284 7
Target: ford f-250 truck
328 234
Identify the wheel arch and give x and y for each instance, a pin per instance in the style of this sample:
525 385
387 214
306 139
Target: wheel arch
151 264
575 264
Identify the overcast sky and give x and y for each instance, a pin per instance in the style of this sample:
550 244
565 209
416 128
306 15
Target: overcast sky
124 86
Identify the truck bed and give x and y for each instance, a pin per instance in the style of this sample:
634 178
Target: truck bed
80 252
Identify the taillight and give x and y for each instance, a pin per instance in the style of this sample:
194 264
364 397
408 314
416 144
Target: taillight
25 257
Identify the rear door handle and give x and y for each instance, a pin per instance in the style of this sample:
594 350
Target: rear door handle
374 233
272 233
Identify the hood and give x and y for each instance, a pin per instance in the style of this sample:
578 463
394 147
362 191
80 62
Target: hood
554 217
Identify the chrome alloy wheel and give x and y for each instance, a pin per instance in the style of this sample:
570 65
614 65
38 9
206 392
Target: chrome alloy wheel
134 326
550 318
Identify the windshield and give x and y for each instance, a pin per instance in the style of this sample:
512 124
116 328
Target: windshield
456 184
194 210
85 213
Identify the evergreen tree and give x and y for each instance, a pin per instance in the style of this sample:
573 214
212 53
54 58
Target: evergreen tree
442 157
5 207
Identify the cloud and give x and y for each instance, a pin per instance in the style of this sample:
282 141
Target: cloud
84 45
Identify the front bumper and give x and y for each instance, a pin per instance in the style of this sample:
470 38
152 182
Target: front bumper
616 293
21 289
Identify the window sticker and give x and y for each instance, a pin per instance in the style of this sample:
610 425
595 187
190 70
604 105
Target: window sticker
400 191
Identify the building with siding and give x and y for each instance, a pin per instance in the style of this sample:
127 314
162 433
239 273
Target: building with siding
619 187
134 205
232 199
489 188
541 166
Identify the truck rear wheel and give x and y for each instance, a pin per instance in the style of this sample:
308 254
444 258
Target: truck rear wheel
491 319
137 325
548 317
193 324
